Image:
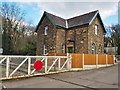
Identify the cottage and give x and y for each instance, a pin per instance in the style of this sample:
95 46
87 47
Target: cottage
80 34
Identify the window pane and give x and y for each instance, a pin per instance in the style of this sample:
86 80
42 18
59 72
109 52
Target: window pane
46 30
96 29
45 50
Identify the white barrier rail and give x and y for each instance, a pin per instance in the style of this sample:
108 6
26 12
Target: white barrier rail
56 60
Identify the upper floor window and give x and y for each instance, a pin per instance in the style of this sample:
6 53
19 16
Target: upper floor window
96 29
46 30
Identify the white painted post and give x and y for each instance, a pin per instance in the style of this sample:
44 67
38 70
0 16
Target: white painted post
58 63
114 59
70 61
96 60
29 66
83 60
7 67
46 65
106 60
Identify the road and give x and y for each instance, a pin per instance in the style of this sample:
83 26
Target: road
98 78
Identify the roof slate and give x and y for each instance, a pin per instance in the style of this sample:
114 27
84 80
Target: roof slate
81 20
57 20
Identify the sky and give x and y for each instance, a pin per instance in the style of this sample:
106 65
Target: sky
34 10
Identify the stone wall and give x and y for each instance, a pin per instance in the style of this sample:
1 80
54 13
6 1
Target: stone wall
96 39
60 40
69 38
81 40
79 36
48 40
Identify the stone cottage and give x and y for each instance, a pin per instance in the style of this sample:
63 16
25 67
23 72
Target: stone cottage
80 34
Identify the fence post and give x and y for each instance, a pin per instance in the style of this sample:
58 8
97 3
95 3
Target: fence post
114 59
68 63
106 60
69 57
46 65
58 63
96 60
83 60
29 66
7 66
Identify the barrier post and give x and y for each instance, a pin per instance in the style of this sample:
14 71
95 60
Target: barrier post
59 64
46 65
29 66
69 61
7 66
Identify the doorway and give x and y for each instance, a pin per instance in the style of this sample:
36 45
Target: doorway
70 49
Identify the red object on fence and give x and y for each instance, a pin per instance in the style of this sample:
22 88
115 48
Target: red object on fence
38 65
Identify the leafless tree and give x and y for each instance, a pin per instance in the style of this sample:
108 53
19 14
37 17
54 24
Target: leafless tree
12 25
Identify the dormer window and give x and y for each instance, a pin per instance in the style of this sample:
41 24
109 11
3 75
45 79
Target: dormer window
46 30
96 29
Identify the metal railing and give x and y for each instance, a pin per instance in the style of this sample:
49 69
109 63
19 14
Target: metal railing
22 66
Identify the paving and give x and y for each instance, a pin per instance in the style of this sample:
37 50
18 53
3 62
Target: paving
106 77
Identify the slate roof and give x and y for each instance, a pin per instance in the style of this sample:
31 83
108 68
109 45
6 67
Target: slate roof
57 20
81 20
84 19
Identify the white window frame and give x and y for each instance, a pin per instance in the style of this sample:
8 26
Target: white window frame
96 29
45 50
46 30
63 48
93 48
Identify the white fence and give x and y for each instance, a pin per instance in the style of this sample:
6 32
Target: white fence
12 66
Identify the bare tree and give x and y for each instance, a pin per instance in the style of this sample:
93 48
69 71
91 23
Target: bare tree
12 24
115 35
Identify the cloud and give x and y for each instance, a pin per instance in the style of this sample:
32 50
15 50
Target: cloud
68 9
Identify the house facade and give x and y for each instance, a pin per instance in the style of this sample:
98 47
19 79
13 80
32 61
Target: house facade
81 34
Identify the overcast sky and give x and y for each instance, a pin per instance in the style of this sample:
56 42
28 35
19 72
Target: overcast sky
34 11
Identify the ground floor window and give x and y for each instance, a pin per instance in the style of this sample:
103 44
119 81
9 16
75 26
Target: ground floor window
93 48
45 50
63 48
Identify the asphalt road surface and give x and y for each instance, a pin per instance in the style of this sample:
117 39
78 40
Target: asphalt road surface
98 78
